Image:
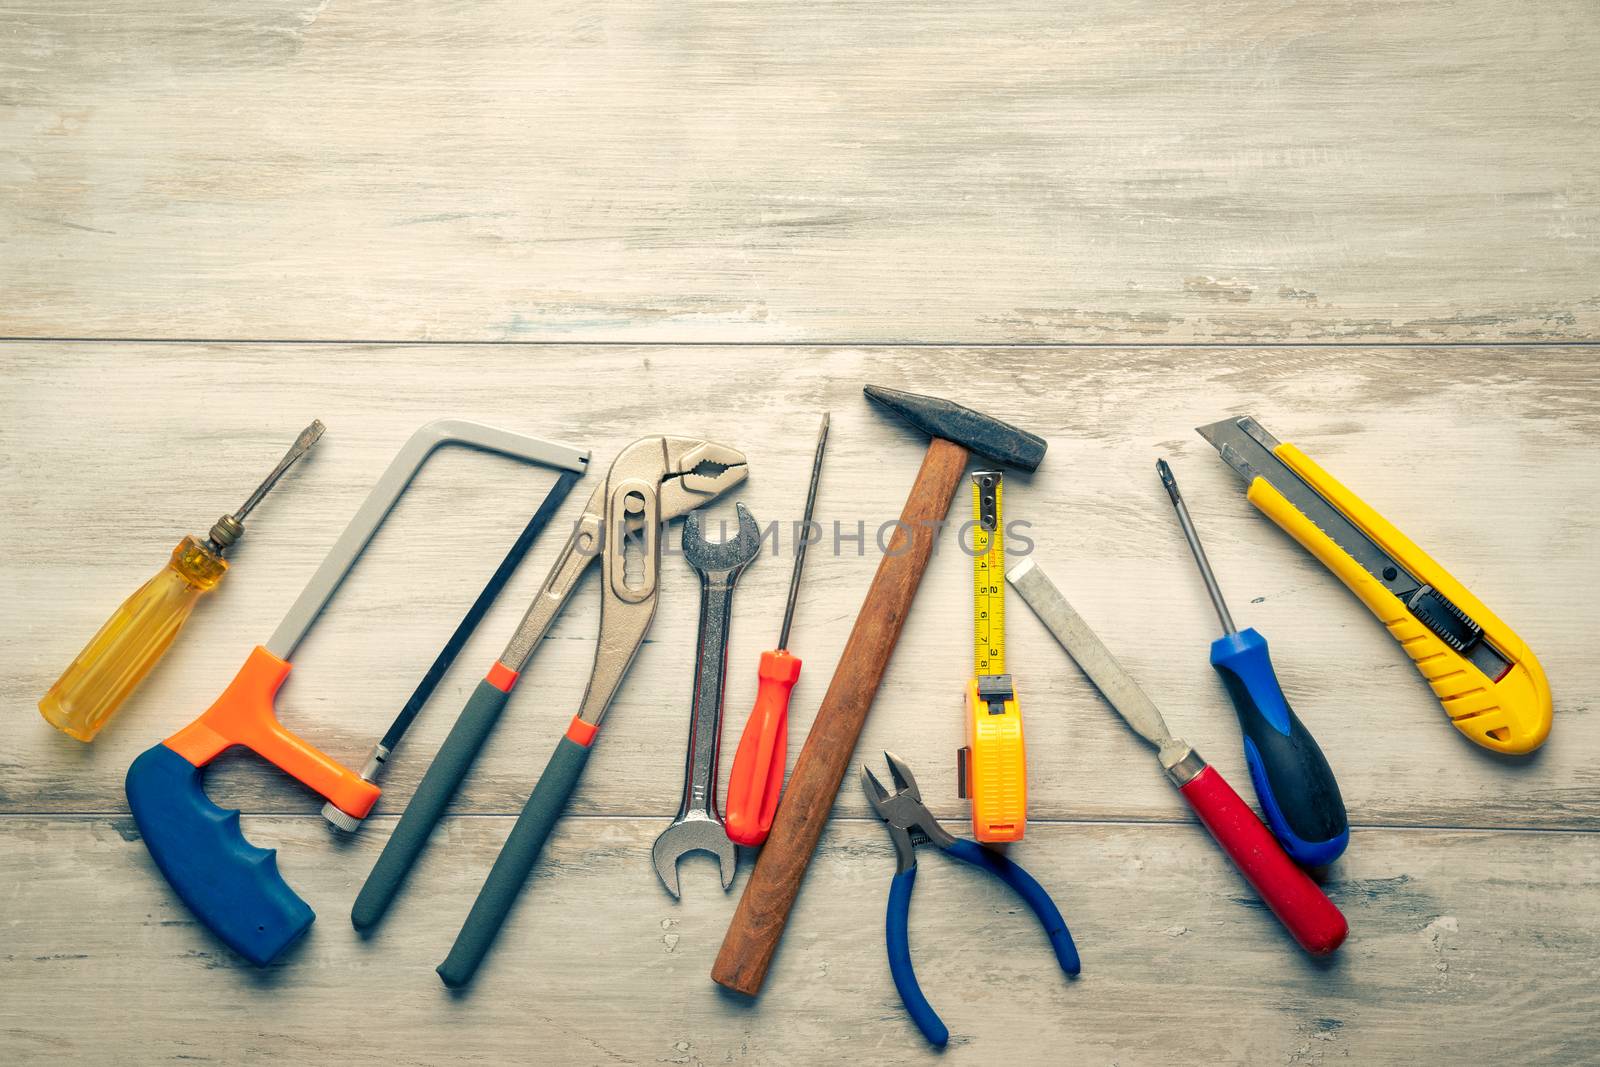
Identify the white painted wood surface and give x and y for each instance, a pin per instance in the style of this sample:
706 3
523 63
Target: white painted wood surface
708 170
205 210
1462 944
1469 885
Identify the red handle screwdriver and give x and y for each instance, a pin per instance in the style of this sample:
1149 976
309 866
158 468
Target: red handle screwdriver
756 780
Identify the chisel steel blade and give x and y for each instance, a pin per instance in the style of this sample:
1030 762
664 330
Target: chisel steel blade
1090 654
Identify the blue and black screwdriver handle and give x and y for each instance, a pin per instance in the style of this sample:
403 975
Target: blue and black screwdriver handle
1293 781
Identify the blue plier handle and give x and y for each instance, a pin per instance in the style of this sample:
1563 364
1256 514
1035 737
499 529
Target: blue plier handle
910 824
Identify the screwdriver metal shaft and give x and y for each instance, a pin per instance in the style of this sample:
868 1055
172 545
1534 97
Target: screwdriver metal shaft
804 538
301 446
1196 547
228 529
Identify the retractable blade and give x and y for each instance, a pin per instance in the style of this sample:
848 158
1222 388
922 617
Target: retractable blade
1484 675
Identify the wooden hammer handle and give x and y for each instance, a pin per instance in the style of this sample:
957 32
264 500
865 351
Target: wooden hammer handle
763 910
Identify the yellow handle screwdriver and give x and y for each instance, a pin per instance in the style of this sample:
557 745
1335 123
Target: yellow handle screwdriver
133 640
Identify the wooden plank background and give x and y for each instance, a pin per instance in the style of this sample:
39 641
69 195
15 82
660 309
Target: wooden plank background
1374 226
722 170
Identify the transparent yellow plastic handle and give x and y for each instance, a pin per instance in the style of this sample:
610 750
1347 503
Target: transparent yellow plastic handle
117 658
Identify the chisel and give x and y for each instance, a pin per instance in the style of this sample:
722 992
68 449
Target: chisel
1292 778
1316 924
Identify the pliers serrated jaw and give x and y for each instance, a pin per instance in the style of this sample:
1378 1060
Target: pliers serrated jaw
696 472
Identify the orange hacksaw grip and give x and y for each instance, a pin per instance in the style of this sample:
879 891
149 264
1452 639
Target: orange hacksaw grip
243 715
231 885
1510 714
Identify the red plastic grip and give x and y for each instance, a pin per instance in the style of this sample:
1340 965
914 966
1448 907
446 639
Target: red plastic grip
756 780
1316 923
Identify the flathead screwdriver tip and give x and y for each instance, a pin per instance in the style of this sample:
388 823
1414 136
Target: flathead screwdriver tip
302 445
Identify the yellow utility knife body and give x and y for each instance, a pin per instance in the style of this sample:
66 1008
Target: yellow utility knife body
992 770
1486 678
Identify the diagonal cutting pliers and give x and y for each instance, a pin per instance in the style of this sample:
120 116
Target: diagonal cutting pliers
911 824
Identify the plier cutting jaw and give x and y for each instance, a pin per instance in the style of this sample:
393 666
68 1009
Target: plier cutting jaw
910 824
653 480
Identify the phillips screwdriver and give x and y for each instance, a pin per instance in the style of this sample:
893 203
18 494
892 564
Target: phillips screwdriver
1292 778
133 640
756 780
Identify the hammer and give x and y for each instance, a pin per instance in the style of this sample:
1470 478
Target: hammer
763 910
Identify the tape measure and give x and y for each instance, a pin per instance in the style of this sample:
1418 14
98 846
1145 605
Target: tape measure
993 767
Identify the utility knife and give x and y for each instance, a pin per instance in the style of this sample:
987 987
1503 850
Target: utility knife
1484 675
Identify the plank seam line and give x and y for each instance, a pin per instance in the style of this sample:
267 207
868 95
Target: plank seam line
571 343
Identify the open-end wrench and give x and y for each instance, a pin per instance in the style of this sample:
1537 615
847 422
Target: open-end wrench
698 827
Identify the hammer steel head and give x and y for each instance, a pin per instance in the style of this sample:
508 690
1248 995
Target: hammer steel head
972 430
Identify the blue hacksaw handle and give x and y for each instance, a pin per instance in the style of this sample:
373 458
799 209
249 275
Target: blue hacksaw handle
231 886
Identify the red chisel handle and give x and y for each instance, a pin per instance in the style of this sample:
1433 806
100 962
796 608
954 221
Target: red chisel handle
1294 898
757 776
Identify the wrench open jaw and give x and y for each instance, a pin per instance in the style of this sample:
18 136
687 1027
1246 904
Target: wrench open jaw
694 831
698 827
